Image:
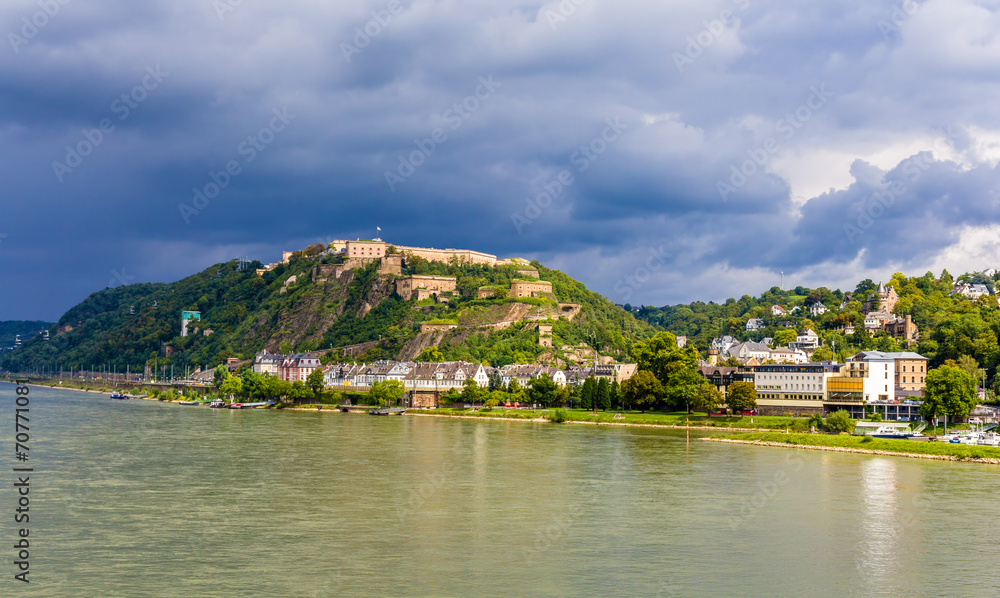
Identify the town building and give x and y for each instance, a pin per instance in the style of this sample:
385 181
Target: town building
267 363
524 374
297 367
744 351
887 299
910 369
878 371
721 377
807 340
755 325
972 291
777 310
817 309
799 389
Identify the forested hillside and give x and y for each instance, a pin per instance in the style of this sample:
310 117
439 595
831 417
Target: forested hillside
285 310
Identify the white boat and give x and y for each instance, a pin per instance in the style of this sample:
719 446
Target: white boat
889 432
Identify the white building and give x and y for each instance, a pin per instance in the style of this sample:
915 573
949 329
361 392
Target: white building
972 291
750 349
879 372
806 340
818 309
755 325
267 363
777 310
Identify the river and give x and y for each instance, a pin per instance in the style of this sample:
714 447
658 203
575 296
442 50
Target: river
137 498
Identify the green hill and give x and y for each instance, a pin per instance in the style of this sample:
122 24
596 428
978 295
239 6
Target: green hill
285 310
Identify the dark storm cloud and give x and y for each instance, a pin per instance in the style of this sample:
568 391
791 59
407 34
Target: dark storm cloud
697 87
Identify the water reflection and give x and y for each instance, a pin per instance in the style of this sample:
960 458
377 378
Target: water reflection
880 524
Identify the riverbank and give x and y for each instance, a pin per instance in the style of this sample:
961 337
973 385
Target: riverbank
941 451
640 420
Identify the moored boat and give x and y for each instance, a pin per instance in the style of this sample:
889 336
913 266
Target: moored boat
188 403
217 404
890 432
120 396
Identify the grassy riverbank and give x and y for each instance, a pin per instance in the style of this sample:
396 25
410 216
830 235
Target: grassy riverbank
868 444
673 420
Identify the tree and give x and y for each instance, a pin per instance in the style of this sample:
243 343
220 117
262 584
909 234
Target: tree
431 355
969 365
615 393
864 287
543 390
840 422
515 391
603 395
386 392
681 388
822 354
642 390
661 356
784 336
315 381
496 381
298 391
587 391
220 375
232 386
707 398
742 397
471 393
949 391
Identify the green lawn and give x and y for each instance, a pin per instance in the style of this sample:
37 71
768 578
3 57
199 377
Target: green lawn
961 451
676 419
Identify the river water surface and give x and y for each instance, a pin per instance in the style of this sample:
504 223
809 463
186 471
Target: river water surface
137 498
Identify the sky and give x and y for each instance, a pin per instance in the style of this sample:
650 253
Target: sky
659 152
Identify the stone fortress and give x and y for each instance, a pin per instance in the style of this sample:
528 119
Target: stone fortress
361 252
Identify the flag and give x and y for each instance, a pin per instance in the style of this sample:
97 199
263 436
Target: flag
379 229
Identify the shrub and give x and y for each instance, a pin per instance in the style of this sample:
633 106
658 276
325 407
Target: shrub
839 422
817 421
558 416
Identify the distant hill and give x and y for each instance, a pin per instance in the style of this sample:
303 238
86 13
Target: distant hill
27 329
356 316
